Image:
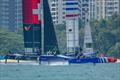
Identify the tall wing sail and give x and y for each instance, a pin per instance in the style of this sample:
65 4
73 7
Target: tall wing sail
50 40
31 25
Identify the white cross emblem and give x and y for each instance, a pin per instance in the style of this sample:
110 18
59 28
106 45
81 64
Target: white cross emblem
37 11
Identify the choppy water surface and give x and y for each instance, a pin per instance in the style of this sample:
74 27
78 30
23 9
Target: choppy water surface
72 72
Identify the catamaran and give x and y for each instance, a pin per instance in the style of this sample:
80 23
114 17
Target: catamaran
40 38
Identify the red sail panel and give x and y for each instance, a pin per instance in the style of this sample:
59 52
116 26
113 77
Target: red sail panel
27 12
29 17
35 19
72 15
35 4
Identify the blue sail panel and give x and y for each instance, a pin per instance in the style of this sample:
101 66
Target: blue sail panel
71 8
72 3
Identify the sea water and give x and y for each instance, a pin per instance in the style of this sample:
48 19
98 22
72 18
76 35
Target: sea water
107 71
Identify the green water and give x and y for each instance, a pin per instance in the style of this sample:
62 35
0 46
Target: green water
72 72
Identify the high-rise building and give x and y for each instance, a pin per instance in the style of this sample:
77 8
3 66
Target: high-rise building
106 8
11 14
99 9
57 11
85 8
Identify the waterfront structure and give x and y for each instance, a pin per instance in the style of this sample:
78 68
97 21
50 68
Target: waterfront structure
11 14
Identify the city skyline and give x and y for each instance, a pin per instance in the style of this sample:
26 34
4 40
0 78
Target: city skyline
11 11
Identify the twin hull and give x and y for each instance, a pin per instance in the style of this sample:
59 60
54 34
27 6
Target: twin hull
73 60
62 59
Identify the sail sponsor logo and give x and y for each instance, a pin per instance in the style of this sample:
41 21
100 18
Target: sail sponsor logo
27 28
31 11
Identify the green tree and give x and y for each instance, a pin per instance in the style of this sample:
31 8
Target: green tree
10 41
106 34
103 23
115 50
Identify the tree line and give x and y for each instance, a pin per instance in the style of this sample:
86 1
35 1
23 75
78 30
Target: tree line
10 41
106 35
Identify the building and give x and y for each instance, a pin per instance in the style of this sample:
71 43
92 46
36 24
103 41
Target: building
106 8
11 14
119 6
57 11
85 8
99 9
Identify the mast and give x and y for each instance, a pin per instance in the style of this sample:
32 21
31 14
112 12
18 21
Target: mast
42 28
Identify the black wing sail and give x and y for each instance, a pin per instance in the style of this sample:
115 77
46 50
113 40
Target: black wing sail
32 36
50 40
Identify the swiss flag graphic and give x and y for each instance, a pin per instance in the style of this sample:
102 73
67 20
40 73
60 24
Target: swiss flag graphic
27 28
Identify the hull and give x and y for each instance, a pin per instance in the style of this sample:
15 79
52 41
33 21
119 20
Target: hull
62 59
92 60
2 57
22 57
54 63
52 58
71 59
